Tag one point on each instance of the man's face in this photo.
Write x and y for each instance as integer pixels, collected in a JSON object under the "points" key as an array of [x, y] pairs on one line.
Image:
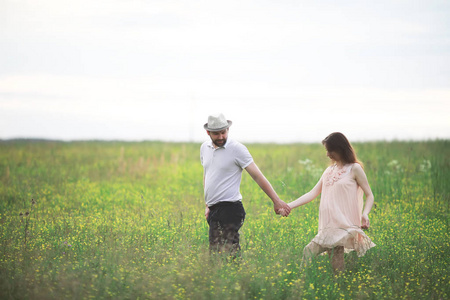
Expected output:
{"points": [[219, 138]]}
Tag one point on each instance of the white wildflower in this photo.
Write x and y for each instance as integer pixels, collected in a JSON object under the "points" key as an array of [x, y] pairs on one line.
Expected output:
{"points": [[425, 166]]}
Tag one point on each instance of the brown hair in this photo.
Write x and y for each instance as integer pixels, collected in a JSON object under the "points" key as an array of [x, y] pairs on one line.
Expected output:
{"points": [[337, 142]]}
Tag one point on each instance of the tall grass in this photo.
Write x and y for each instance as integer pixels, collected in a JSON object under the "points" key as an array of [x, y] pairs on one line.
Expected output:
{"points": [[114, 220]]}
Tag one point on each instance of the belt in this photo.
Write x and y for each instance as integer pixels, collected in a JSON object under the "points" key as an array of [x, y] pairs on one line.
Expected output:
{"points": [[225, 203]]}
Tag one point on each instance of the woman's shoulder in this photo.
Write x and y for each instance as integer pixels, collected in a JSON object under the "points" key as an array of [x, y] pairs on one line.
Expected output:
{"points": [[357, 168], [329, 168], [327, 171], [356, 165]]}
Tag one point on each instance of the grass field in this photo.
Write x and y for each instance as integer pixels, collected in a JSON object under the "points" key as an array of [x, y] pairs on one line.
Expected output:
{"points": [[113, 220]]}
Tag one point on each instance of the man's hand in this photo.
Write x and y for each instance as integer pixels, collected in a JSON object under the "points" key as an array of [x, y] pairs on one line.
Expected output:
{"points": [[281, 208], [207, 212]]}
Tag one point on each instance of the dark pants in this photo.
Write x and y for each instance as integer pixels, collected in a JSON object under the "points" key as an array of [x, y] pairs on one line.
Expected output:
{"points": [[225, 219]]}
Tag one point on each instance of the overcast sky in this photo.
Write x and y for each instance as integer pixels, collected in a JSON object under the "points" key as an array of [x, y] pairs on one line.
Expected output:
{"points": [[282, 71]]}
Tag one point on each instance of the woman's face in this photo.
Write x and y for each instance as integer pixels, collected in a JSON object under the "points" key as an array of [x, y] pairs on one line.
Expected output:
{"points": [[333, 155]]}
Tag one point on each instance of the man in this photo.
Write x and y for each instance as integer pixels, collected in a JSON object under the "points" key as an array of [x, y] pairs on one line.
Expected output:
{"points": [[223, 160]]}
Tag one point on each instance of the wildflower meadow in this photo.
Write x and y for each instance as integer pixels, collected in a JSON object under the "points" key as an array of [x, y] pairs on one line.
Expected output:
{"points": [[125, 220]]}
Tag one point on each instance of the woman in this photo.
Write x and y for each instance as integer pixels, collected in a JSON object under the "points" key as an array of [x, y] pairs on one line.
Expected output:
{"points": [[341, 215]]}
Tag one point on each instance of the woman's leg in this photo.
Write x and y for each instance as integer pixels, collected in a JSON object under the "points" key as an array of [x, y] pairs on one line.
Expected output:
{"points": [[311, 250], [337, 259]]}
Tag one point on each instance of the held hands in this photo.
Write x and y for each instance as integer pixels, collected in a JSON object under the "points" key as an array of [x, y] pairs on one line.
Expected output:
{"points": [[283, 212], [281, 208], [365, 223]]}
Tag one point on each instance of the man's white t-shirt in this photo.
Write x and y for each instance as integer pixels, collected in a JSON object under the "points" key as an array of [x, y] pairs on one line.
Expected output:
{"points": [[223, 170]]}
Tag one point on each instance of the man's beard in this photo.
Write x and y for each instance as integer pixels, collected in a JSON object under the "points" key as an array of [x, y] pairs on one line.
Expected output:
{"points": [[220, 143]]}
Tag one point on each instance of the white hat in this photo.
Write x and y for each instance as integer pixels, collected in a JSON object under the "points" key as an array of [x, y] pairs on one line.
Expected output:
{"points": [[217, 123]]}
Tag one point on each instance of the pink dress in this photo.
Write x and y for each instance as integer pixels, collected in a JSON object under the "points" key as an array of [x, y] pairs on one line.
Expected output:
{"points": [[340, 211]]}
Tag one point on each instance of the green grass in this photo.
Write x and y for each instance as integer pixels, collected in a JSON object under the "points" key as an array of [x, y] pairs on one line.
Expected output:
{"points": [[117, 220]]}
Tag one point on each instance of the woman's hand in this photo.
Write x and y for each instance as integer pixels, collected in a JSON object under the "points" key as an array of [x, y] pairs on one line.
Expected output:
{"points": [[365, 223]]}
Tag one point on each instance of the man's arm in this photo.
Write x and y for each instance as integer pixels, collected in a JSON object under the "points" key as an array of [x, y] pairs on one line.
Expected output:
{"points": [[265, 185], [206, 208]]}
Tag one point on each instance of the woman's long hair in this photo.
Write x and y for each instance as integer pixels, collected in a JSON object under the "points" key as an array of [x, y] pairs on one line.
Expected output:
{"points": [[337, 142]]}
